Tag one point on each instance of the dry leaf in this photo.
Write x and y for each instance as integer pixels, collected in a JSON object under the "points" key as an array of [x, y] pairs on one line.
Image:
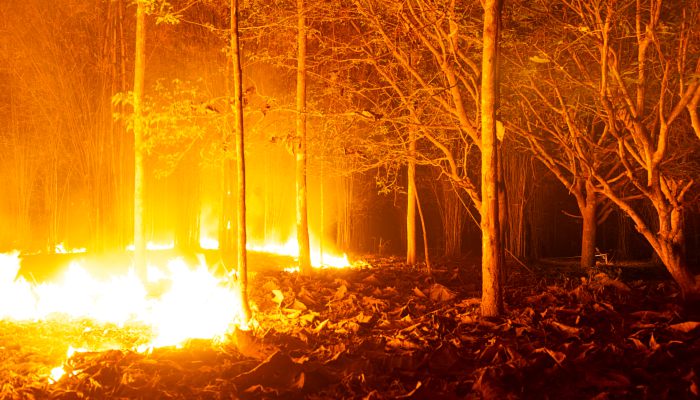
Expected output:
{"points": [[279, 297], [569, 330], [685, 327], [298, 305], [557, 356], [340, 293], [653, 345], [321, 325], [418, 292], [439, 292]]}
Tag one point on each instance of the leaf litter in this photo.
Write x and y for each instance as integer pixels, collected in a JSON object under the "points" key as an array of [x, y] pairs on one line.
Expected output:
{"points": [[386, 331]]}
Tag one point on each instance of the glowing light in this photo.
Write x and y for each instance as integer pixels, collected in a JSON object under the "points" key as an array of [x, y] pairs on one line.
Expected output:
{"points": [[59, 372], [208, 243], [289, 248], [192, 302], [154, 246], [61, 249]]}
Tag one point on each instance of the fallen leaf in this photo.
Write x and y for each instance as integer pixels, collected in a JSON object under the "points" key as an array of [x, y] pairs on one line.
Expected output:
{"points": [[321, 325], [279, 297], [569, 330], [557, 356], [340, 292], [439, 292], [418, 292], [653, 345], [298, 305], [685, 327], [539, 60], [412, 392], [362, 318], [637, 343]]}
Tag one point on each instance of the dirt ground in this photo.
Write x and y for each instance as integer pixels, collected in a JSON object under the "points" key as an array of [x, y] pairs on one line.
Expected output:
{"points": [[387, 331]]}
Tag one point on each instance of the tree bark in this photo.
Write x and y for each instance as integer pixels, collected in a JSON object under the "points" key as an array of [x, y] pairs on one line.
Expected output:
{"points": [[491, 262], [411, 199], [139, 128], [302, 212], [240, 160], [589, 208]]}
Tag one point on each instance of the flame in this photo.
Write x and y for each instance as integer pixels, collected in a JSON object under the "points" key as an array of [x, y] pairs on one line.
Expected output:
{"points": [[193, 302], [319, 259], [57, 373], [61, 249], [154, 246]]}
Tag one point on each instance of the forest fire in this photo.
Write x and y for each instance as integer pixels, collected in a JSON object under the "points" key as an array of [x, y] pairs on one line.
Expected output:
{"points": [[182, 182], [179, 303]]}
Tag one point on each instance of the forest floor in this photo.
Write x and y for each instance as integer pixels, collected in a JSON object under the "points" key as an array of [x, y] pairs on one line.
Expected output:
{"points": [[387, 331]]}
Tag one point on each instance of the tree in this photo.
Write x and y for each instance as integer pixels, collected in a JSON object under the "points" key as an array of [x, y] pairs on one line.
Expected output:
{"points": [[411, 200], [139, 130], [632, 68], [440, 95], [300, 153], [491, 254], [240, 159]]}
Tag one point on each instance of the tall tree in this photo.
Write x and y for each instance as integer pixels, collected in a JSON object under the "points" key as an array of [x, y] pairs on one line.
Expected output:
{"points": [[628, 69], [301, 191], [240, 159], [411, 199], [139, 130], [491, 255]]}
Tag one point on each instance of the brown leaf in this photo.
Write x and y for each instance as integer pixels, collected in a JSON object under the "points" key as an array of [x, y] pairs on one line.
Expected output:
{"points": [[418, 292], [412, 392], [637, 343], [341, 292], [298, 305], [362, 318], [653, 345], [279, 297], [298, 383], [685, 327], [371, 280], [544, 299], [321, 325], [604, 280], [569, 330], [439, 292], [557, 356]]}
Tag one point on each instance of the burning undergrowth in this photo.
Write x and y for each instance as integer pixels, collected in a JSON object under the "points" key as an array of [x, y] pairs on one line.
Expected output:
{"points": [[384, 332]]}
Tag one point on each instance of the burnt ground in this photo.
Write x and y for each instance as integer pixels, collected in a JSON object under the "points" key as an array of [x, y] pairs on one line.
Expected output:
{"points": [[387, 331]]}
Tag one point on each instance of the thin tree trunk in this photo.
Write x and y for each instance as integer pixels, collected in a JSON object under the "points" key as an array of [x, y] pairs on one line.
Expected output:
{"points": [[491, 263], [139, 128], [302, 212], [240, 160], [411, 198], [425, 234], [226, 222], [588, 210]]}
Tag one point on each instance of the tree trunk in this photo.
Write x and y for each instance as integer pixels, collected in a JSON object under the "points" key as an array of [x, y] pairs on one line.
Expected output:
{"points": [[672, 252], [411, 198], [240, 160], [428, 267], [139, 128], [302, 212], [588, 208], [491, 262]]}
